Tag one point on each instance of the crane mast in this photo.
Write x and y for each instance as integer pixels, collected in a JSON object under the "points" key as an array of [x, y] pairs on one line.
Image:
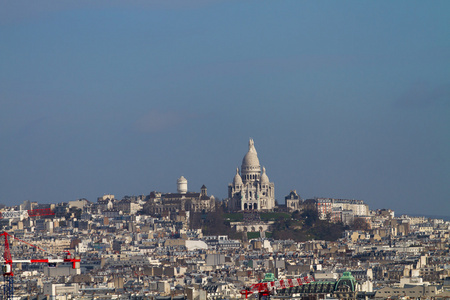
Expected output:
{"points": [[8, 275]]}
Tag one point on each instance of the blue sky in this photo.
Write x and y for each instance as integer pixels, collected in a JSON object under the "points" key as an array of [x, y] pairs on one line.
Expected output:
{"points": [[346, 99]]}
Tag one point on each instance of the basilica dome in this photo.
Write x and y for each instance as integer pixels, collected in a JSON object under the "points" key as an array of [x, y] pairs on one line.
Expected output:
{"points": [[250, 160]]}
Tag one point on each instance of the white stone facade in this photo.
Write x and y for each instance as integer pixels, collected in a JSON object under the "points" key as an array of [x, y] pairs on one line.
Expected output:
{"points": [[251, 189], [293, 201], [326, 205]]}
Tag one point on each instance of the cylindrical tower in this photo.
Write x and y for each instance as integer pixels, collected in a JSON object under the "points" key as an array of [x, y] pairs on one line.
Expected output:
{"points": [[182, 187]]}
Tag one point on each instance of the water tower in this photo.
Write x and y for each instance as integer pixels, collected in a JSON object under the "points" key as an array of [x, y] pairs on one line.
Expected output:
{"points": [[182, 185]]}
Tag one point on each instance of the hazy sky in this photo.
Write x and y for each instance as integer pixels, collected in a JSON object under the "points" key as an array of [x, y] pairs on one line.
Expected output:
{"points": [[345, 99]]}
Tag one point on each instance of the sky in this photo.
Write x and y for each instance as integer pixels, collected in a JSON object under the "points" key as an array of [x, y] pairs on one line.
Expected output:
{"points": [[344, 99]]}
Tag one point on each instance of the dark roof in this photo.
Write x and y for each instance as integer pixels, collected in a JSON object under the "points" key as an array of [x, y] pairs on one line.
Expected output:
{"points": [[178, 195], [310, 288], [211, 288]]}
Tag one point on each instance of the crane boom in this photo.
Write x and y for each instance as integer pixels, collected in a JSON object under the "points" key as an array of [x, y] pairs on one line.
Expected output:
{"points": [[8, 275], [12, 214], [267, 288]]}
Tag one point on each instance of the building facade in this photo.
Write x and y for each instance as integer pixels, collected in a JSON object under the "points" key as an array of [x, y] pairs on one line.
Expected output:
{"points": [[251, 188], [293, 201], [325, 207], [183, 200]]}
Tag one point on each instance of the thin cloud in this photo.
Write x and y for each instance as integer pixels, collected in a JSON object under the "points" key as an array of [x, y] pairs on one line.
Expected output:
{"points": [[269, 65], [422, 94], [157, 121], [19, 11]]}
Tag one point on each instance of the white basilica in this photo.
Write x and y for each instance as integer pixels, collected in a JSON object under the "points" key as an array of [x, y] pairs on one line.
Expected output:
{"points": [[251, 189]]}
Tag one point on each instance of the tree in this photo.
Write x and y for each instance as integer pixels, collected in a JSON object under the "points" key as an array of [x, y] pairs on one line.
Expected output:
{"points": [[212, 223], [311, 216], [360, 224], [296, 215], [306, 225], [195, 221]]}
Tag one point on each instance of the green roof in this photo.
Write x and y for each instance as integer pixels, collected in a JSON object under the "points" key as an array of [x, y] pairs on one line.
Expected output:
{"points": [[347, 279], [269, 277]]}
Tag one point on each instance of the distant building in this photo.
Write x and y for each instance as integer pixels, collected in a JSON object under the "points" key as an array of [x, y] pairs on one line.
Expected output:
{"points": [[324, 207], [61, 209], [127, 206], [183, 200], [341, 209], [106, 202], [293, 201], [60, 290], [27, 205], [251, 188], [80, 203]]}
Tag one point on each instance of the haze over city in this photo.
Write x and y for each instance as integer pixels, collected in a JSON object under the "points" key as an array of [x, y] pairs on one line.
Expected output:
{"points": [[343, 99]]}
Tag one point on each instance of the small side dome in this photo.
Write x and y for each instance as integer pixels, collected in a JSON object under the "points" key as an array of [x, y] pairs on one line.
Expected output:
{"points": [[264, 177], [237, 178]]}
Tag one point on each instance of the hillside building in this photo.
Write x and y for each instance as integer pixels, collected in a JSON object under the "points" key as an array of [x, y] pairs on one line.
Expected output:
{"points": [[251, 188]]}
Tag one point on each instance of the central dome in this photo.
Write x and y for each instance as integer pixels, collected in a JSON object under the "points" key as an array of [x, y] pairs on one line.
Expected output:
{"points": [[250, 160]]}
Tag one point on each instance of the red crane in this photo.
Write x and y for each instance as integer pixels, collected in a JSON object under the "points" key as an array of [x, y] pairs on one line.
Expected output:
{"points": [[8, 275], [265, 289], [10, 214]]}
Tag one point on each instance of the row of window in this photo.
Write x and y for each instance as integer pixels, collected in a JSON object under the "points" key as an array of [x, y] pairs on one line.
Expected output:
{"points": [[251, 206], [251, 177]]}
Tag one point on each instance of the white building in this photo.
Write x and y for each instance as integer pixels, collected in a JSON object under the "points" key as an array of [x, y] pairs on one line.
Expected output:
{"points": [[325, 206], [293, 201], [251, 188], [60, 290]]}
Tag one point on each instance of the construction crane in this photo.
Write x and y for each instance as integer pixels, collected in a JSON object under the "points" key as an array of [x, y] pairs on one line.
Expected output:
{"points": [[270, 285], [22, 214], [8, 275]]}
